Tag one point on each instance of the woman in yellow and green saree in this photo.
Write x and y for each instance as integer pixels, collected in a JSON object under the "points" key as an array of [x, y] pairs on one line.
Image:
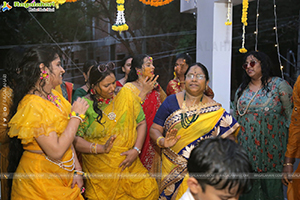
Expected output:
{"points": [[114, 170], [186, 118]]}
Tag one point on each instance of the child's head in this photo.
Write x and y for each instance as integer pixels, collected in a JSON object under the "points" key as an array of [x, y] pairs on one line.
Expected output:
{"points": [[218, 169]]}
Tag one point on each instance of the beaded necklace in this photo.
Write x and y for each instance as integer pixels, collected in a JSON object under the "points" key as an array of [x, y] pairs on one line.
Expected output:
{"points": [[185, 121], [55, 100]]}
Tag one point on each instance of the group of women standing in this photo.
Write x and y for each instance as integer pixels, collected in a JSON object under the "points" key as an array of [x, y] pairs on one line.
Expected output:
{"points": [[124, 137]]}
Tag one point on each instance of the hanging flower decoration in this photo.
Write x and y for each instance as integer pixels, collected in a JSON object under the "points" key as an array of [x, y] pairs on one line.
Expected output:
{"points": [[244, 21], [120, 24], [228, 22], [156, 3]]}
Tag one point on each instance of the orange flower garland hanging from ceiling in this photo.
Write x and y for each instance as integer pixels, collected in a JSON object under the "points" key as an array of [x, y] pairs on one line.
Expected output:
{"points": [[156, 3]]}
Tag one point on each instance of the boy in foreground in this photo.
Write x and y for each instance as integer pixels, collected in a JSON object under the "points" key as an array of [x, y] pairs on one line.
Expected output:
{"points": [[219, 170]]}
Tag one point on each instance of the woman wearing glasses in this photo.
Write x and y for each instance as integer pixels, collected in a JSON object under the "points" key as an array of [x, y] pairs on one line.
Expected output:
{"points": [[113, 170], [176, 85], [263, 107], [181, 122]]}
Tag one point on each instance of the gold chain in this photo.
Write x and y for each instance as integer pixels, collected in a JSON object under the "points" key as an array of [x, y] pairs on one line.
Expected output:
{"points": [[238, 103]]}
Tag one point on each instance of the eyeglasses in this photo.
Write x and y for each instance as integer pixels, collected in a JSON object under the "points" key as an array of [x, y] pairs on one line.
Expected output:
{"points": [[251, 63], [198, 76], [103, 67]]}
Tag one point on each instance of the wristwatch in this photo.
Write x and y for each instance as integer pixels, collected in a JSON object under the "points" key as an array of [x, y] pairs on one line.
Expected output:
{"points": [[137, 149]]}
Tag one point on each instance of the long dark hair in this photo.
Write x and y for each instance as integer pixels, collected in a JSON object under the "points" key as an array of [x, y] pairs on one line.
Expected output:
{"points": [[97, 74], [266, 69], [137, 62], [29, 75]]}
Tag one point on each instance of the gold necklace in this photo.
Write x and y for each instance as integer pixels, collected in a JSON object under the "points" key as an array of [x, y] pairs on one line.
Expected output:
{"points": [[247, 107]]}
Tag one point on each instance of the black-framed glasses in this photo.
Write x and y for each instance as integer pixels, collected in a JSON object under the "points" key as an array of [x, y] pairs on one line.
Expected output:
{"points": [[251, 63], [103, 67], [198, 76]]}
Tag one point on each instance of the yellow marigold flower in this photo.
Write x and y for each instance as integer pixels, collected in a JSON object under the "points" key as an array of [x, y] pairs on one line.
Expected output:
{"points": [[228, 23], [120, 8], [120, 1], [243, 50]]}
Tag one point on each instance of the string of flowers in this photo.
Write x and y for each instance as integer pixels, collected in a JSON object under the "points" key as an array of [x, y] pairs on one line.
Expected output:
{"points": [[228, 22], [156, 3], [120, 24], [244, 21]]}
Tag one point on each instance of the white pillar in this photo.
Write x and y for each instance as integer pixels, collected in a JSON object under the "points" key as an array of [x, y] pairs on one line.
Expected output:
{"points": [[214, 41]]}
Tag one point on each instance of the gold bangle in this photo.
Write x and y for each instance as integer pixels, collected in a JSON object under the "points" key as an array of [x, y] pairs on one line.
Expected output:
{"points": [[91, 145], [94, 148], [287, 164], [157, 141]]}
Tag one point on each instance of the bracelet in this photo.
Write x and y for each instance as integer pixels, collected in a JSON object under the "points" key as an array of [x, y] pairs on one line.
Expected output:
{"points": [[94, 148], [91, 147], [287, 164], [157, 141], [81, 173], [138, 150], [142, 102], [76, 115]]}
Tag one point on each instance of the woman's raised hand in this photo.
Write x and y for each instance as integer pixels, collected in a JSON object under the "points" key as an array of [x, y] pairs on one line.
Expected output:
{"points": [[171, 138], [80, 106], [149, 83]]}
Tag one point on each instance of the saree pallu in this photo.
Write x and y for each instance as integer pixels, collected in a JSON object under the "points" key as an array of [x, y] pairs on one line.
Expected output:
{"points": [[150, 153], [213, 121], [106, 180]]}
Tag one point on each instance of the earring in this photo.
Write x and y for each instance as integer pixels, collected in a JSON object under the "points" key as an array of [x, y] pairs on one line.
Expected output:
{"points": [[174, 74], [138, 72], [93, 92], [44, 75]]}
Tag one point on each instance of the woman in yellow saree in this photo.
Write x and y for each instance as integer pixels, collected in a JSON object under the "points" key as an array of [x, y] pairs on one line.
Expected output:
{"points": [[187, 118], [119, 120], [42, 128]]}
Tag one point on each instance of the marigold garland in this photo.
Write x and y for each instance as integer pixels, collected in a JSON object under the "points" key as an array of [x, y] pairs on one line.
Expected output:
{"points": [[156, 3], [120, 24], [244, 21], [228, 22]]}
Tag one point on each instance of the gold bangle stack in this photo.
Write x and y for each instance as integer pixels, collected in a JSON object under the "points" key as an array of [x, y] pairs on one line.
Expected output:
{"points": [[93, 148], [157, 141], [287, 164]]}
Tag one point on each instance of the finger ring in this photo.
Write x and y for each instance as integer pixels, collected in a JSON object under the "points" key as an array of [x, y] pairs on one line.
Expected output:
{"points": [[82, 190], [155, 84]]}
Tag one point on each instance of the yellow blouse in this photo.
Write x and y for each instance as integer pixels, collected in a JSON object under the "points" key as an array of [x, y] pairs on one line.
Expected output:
{"points": [[37, 116]]}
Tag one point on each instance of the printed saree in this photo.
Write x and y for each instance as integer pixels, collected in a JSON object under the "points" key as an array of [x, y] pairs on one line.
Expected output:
{"points": [[106, 180], [213, 121]]}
